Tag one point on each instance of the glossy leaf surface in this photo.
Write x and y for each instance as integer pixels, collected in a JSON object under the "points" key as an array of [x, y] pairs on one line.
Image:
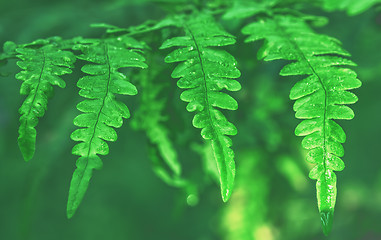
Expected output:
{"points": [[41, 70], [320, 97], [204, 71], [101, 112]]}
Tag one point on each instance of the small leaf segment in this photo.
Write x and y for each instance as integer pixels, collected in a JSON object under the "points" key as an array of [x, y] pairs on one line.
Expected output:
{"points": [[9, 49], [42, 67], [320, 97], [352, 7], [101, 111], [204, 71]]}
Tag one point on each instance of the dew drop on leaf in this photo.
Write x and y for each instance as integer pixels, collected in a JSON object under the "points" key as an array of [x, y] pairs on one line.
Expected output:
{"points": [[192, 200]]}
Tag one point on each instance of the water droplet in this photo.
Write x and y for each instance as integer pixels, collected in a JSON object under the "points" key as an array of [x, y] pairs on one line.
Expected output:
{"points": [[192, 200]]}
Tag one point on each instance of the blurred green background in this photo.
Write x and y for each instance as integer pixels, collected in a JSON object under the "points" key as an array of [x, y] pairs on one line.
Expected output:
{"points": [[273, 198]]}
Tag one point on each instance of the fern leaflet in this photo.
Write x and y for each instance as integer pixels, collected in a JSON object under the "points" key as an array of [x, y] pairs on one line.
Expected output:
{"points": [[320, 97], [204, 72], [101, 111], [41, 69], [150, 118]]}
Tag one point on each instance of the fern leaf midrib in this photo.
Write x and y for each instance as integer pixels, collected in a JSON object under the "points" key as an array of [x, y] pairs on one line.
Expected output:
{"points": [[325, 110], [301, 53], [207, 104], [99, 113], [38, 84], [104, 98]]}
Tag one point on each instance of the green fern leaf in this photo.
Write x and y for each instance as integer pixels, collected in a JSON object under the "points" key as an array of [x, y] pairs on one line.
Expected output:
{"points": [[101, 111], [204, 72], [150, 117], [41, 69], [320, 97]]}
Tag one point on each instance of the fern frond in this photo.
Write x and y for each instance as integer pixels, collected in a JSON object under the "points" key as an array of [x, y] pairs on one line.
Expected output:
{"points": [[101, 111], [41, 70], [204, 72], [151, 119], [159, 163], [320, 97]]}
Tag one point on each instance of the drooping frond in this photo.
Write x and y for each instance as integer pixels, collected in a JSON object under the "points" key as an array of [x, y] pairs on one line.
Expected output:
{"points": [[150, 117], [320, 97], [159, 167], [42, 67], [204, 71], [101, 111]]}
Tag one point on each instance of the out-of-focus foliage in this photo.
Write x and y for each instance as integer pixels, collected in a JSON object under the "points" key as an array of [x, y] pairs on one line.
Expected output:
{"points": [[272, 199], [353, 7]]}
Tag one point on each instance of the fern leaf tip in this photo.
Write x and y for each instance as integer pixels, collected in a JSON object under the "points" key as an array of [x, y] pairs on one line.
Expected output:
{"points": [[27, 144], [226, 192], [326, 218], [27, 155], [225, 195], [70, 212]]}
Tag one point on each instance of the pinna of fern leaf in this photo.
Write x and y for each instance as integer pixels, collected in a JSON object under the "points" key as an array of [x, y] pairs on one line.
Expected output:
{"points": [[41, 70], [101, 112], [204, 71], [321, 97]]}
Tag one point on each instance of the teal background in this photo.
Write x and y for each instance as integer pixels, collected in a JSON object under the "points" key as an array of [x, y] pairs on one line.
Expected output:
{"points": [[274, 199]]}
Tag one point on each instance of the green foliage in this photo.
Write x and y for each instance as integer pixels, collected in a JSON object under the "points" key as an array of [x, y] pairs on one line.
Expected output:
{"points": [[204, 72], [151, 119], [42, 67], [320, 97], [101, 111], [352, 7], [192, 34]]}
